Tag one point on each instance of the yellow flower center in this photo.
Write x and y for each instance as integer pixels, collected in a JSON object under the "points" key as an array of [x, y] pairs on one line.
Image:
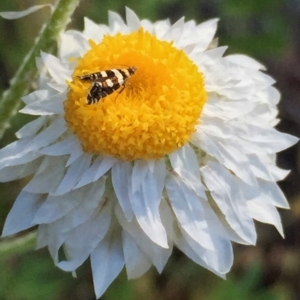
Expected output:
{"points": [[153, 115]]}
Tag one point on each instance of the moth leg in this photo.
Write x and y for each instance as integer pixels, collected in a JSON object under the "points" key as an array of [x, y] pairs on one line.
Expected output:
{"points": [[120, 90]]}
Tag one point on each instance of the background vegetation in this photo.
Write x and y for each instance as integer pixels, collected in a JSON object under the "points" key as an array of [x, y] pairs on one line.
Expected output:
{"points": [[267, 30]]}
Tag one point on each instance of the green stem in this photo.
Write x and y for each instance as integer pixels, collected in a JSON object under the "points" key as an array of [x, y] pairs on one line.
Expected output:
{"points": [[19, 245], [25, 75]]}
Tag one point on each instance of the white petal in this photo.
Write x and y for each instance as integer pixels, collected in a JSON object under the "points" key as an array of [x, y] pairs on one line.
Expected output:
{"points": [[266, 213], [185, 163], [145, 203], [51, 106], [93, 31], [51, 235], [16, 172], [147, 26], [41, 238], [55, 68], [245, 61], [188, 49], [105, 166], [259, 168], [227, 153], [274, 193], [20, 152], [39, 95], [61, 88], [161, 27], [9, 152], [225, 110], [266, 140], [21, 215], [132, 19], [84, 210], [232, 158], [140, 168], [136, 262], [107, 261], [31, 128], [25, 158], [115, 19], [69, 145], [233, 90], [270, 95], [188, 210], [207, 60], [218, 226], [151, 164], [121, 174], [277, 173], [183, 245], [188, 37], [54, 234], [158, 255], [175, 32], [75, 154], [64, 146], [227, 191], [207, 31], [99, 167], [82, 240], [48, 176], [11, 15], [168, 218], [55, 240], [72, 44], [73, 174], [220, 259], [264, 168], [55, 208], [89, 175], [49, 135]]}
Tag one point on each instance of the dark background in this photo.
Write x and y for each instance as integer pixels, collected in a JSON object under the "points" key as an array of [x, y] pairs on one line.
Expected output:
{"points": [[267, 30]]}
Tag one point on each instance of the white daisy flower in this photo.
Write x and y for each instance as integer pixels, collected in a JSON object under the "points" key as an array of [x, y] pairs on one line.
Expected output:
{"points": [[182, 154]]}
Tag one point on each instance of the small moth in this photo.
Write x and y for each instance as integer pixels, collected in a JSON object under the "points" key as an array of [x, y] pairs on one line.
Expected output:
{"points": [[106, 82]]}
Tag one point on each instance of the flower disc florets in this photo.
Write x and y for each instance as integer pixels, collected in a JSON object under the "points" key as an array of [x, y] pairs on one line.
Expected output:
{"points": [[158, 109]]}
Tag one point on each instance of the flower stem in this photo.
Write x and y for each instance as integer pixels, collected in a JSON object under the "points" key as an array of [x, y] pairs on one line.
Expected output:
{"points": [[19, 245], [26, 74]]}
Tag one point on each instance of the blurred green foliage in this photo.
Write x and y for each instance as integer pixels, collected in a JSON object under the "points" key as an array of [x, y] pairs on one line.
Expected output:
{"points": [[258, 28], [35, 278], [246, 288]]}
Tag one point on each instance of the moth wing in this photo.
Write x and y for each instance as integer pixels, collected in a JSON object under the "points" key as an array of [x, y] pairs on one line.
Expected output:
{"points": [[101, 79]]}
